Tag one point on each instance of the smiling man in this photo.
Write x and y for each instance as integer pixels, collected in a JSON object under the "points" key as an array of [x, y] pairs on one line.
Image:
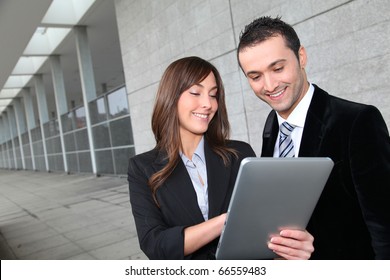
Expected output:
{"points": [[352, 217]]}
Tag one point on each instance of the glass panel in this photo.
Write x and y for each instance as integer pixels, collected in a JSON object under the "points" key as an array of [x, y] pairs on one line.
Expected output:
{"points": [[101, 136], [40, 163], [70, 144], [38, 148], [36, 134], [25, 139], [85, 162], [28, 162], [56, 162], [82, 140], [67, 122], [104, 162], [117, 103], [73, 164], [51, 128], [46, 129], [27, 151], [121, 133], [80, 117], [121, 158], [98, 111], [49, 146], [16, 142], [57, 145], [53, 145]]}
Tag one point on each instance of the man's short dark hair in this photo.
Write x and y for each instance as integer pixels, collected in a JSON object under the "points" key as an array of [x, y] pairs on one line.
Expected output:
{"points": [[265, 27]]}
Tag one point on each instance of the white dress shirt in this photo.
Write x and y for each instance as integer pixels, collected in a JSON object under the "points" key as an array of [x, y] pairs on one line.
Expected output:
{"points": [[297, 118], [198, 173]]}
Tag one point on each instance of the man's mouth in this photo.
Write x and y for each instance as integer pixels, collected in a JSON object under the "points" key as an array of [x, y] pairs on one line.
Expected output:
{"points": [[277, 94]]}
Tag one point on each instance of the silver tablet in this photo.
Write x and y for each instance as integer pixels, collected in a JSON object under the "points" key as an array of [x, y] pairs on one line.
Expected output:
{"points": [[270, 194]]}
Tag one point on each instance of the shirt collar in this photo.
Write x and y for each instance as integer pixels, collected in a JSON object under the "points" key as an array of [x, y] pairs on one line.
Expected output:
{"points": [[199, 153], [298, 115]]}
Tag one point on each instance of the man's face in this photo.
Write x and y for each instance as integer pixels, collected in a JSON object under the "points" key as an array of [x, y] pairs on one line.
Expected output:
{"points": [[275, 74]]}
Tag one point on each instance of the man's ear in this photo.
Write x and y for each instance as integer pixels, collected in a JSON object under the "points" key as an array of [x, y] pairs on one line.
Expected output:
{"points": [[302, 57]]}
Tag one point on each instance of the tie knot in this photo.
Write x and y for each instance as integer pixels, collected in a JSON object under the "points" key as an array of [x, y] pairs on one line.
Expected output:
{"points": [[286, 129]]}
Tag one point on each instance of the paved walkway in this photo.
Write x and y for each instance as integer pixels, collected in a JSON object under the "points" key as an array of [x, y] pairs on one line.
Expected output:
{"points": [[58, 216]]}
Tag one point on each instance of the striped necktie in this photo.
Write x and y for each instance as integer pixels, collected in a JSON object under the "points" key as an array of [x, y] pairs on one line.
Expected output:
{"points": [[286, 145]]}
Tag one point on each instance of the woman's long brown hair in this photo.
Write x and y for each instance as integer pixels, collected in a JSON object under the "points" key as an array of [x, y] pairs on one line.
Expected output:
{"points": [[177, 78]]}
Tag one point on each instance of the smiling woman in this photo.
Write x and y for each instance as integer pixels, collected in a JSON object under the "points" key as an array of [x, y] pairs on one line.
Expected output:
{"points": [[180, 190]]}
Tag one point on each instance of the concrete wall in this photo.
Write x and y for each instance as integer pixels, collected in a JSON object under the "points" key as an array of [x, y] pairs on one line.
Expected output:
{"points": [[347, 44]]}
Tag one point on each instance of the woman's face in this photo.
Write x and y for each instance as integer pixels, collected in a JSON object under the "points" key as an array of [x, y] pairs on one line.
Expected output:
{"points": [[197, 106]]}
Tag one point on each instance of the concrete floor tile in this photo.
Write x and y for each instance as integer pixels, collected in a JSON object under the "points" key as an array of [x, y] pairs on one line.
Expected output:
{"points": [[122, 250], [103, 239], [89, 231], [36, 246], [62, 252]]}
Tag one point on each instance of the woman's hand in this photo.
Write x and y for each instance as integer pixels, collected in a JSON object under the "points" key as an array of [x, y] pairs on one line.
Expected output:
{"points": [[292, 244]]}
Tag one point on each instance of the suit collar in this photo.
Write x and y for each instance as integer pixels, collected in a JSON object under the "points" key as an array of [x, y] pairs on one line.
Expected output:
{"points": [[218, 181], [315, 125]]}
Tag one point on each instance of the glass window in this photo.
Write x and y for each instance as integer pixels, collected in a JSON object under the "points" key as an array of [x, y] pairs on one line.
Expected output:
{"points": [[67, 122], [98, 110], [117, 103], [101, 136], [80, 117], [82, 140], [36, 134], [38, 148], [70, 145], [73, 164], [85, 162], [25, 139], [121, 158], [121, 133], [28, 162], [104, 162], [26, 151]]}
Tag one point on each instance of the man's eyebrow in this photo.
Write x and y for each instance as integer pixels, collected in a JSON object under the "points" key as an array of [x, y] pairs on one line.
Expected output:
{"points": [[269, 66]]}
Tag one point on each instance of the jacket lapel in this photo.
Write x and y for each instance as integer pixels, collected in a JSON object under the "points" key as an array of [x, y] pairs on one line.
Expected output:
{"points": [[315, 124], [218, 181], [178, 189], [270, 133]]}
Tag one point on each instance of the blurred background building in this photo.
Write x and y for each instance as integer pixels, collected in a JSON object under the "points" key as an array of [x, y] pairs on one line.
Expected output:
{"points": [[78, 77]]}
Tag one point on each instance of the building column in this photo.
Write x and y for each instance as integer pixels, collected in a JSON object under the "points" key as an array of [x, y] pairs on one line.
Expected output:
{"points": [[30, 117], [60, 98], [8, 125], [20, 127], [3, 141], [6, 138], [87, 82], [42, 112]]}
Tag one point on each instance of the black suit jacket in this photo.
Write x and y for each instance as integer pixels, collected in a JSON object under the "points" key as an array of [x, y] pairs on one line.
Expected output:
{"points": [[160, 230], [352, 217]]}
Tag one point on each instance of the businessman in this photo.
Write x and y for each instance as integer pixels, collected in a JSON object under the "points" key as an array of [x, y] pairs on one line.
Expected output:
{"points": [[352, 217]]}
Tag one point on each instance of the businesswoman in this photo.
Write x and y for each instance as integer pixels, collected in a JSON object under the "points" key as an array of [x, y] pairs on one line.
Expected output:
{"points": [[180, 190]]}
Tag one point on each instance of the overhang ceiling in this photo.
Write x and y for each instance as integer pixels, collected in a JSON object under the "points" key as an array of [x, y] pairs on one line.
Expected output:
{"points": [[31, 30]]}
